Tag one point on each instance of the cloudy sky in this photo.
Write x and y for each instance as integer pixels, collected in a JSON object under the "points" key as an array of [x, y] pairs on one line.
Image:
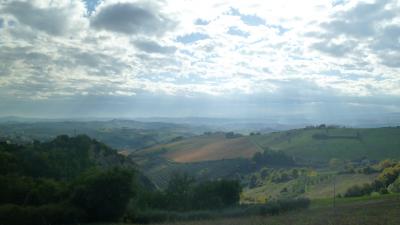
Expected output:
{"points": [[209, 58]]}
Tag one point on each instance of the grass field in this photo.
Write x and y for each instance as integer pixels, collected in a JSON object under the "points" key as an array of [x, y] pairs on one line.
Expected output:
{"points": [[380, 210]]}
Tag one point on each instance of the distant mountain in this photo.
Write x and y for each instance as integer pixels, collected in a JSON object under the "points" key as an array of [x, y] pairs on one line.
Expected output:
{"points": [[121, 134]]}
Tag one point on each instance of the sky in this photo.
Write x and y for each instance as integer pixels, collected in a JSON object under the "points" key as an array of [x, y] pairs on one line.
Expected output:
{"points": [[210, 58]]}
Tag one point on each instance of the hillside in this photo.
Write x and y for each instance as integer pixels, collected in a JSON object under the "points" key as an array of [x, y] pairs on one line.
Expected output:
{"points": [[323, 144], [204, 148], [307, 145]]}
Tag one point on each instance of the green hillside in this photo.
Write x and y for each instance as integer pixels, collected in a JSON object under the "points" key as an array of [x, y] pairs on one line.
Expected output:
{"points": [[323, 144]]}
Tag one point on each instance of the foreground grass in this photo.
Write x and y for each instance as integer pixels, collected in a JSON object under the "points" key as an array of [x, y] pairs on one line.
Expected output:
{"points": [[383, 210]]}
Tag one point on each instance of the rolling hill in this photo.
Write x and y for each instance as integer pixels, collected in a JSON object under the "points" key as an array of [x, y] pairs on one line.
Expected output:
{"points": [[307, 145]]}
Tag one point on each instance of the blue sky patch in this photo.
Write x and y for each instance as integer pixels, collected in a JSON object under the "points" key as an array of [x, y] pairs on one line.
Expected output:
{"points": [[236, 31], [190, 38], [91, 5], [251, 20]]}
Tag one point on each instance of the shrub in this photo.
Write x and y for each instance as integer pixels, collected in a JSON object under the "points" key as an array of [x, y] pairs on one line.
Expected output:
{"points": [[354, 191], [395, 186], [283, 205]]}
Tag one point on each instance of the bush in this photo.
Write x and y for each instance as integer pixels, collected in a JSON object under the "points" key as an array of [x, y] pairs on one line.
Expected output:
{"points": [[395, 186], [354, 191], [43, 215], [283, 205]]}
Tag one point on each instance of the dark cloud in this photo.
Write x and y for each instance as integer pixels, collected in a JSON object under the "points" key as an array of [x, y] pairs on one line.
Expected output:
{"points": [[1, 22], [153, 47], [51, 21], [387, 46], [363, 23], [390, 58], [94, 63], [388, 39], [360, 21], [337, 50], [132, 18]]}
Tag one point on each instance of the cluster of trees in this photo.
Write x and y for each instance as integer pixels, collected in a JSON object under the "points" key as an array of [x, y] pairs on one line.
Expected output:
{"points": [[77, 179], [58, 182], [232, 135], [273, 158], [183, 193], [274, 175], [387, 181]]}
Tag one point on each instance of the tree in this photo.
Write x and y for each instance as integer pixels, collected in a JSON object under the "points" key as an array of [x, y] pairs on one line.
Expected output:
{"points": [[104, 195], [179, 190], [216, 194]]}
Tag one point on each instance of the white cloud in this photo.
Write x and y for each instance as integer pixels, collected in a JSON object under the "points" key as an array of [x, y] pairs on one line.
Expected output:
{"points": [[54, 48]]}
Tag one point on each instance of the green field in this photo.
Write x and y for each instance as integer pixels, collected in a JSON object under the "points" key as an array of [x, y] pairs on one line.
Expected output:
{"points": [[380, 210]]}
